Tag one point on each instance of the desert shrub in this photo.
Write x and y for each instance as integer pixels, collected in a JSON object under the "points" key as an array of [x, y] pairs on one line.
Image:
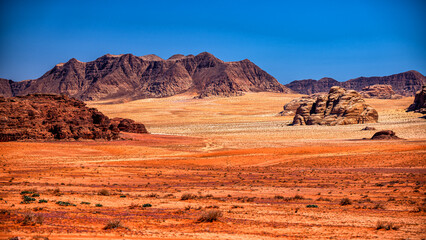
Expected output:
{"points": [[386, 225], [104, 192], [61, 203], [345, 201], [123, 196], [85, 203], [324, 199], [298, 197], [147, 205], [187, 196], [152, 195], [27, 192], [379, 206], [113, 224], [5, 212], [57, 192], [27, 199], [278, 197], [210, 216], [312, 206], [98, 205], [42, 201], [32, 219], [133, 206], [35, 195]]}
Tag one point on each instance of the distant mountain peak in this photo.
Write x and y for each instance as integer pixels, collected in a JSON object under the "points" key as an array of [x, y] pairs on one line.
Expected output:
{"points": [[131, 77]]}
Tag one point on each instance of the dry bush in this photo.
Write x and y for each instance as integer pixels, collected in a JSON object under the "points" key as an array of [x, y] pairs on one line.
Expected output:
{"points": [[187, 196], [113, 224], [104, 192], [345, 201], [386, 225], [210, 216], [32, 219]]}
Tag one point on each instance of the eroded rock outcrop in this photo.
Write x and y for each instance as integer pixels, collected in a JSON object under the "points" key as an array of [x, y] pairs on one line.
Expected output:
{"points": [[338, 107], [54, 117], [419, 104], [380, 91], [290, 108]]}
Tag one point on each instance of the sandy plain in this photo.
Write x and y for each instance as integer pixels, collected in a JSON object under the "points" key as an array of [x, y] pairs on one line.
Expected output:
{"points": [[232, 155]]}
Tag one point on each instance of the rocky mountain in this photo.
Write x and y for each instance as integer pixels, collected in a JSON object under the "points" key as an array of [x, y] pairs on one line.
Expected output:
{"points": [[405, 84], [133, 77], [338, 107], [54, 117], [380, 91]]}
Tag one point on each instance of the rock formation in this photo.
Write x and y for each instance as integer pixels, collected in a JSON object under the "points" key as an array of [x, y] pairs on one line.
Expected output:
{"points": [[128, 125], [381, 91], [384, 135], [132, 77], [419, 104], [405, 84], [50, 117], [338, 107], [290, 108]]}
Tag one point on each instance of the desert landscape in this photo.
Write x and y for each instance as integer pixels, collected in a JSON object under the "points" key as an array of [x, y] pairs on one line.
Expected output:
{"points": [[225, 168]]}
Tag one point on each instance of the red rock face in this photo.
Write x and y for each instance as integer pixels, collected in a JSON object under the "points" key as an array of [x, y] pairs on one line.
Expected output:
{"points": [[132, 77], [338, 107], [419, 104], [405, 84], [54, 117], [380, 91]]}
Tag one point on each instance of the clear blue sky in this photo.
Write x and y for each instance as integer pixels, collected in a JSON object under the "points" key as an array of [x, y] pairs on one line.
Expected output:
{"points": [[289, 39]]}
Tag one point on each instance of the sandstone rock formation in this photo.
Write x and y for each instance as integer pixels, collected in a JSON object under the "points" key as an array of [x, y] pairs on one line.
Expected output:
{"points": [[405, 84], [290, 108], [419, 104], [384, 135], [338, 107], [50, 117], [380, 91], [132, 77], [128, 125]]}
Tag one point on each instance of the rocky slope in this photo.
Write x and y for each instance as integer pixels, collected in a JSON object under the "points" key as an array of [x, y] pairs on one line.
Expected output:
{"points": [[380, 91], [133, 77], [405, 84], [338, 107], [419, 104], [50, 117]]}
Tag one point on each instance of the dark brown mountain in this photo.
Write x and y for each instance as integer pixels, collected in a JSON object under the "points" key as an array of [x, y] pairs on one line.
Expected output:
{"points": [[406, 83], [132, 77]]}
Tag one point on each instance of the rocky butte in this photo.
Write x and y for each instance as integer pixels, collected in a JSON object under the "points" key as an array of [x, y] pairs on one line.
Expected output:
{"points": [[56, 117], [405, 84], [338, 107], [132, 77]]}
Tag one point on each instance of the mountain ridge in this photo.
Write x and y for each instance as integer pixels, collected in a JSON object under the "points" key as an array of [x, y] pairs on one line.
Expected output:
{"points": [[129, 76]]}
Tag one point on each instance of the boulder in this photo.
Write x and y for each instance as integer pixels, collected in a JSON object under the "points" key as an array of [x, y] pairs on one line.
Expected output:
{"points": [[384, 135], [338, 107]]}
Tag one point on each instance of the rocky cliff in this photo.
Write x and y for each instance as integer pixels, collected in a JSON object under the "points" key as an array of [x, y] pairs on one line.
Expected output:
{"points": [[52, 117], [133, 77], [419, 104], [338, 107], [405, 84]]}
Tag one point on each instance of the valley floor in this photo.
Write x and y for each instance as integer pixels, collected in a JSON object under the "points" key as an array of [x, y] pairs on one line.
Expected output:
{"points": [[233, 156]]}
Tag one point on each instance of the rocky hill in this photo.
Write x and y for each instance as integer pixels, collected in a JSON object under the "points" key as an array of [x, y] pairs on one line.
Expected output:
{"points": [[405, 84], [52, 117], [133, 77], [338, 107]]}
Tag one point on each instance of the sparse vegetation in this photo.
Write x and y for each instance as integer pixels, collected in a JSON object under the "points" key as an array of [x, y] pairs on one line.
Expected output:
{"points": [[61, 203], [85, 203], [210, 216], [104, 192], [386, 225], [147, 205], [113, 224], [42, 201], [312, 206], [345, 201], [187, 196], [32, 219], [98, 205]]}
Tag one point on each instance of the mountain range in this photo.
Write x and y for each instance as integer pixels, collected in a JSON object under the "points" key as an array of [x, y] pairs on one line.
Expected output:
{"points": [[132, 77], [406, 83]]}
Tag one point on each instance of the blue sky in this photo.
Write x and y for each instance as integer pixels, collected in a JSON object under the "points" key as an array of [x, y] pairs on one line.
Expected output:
{"points": [[289, 39]]}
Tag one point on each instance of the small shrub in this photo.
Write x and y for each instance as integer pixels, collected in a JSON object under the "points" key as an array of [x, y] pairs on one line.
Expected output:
{"points": [[35, 195], [57, 192], [312, 206], [27, 199], [113, 224], [42, 201], [345, 201], [324, 199], [298, 197], [26, 192], [278, 197], [152, 195], [98, 205], [187, 196], [147, 205], [210, 216], [85, 203], [379, 206], [104, 192], [386, 225], [134, 205], [123, 196], [61, 203], [32, 219]]}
